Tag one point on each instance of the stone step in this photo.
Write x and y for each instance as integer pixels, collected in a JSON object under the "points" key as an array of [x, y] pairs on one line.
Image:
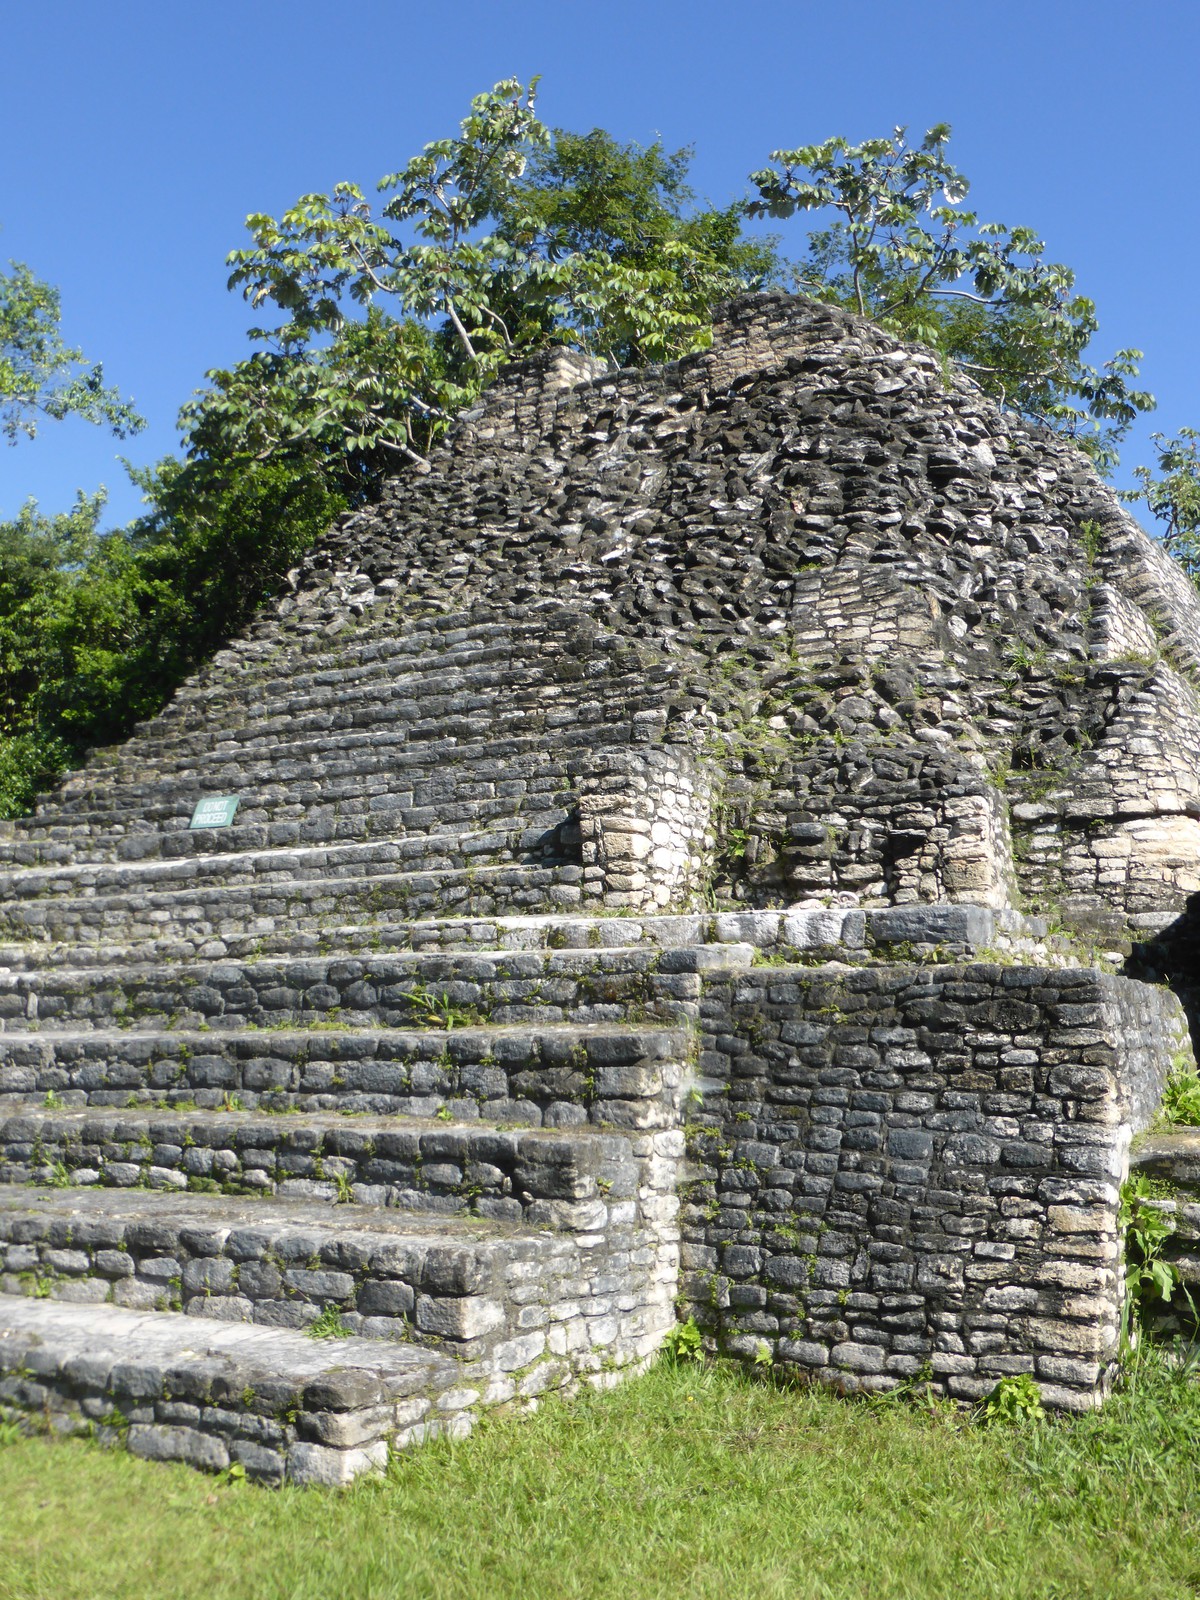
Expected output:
{"points": [[554, 1075], [445, 988], [547, 827], [294, 817], [236, 678], [443, 682], [843, 933], [214, 908], [567, 1178], [466, 934], [431, 707], [375, 797], [450, 933], [507, 701], [409, 656], [457, 1283], [802, 929], [448, 851], [1171, 1157], [326, 757], [531, 663], [278, 1404]]}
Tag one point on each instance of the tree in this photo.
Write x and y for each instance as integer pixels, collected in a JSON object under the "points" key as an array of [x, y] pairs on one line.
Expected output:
{"points": [[37, 557], [643, 267], [1174, 496], [493, 244], [39, 374], [902, 250], [45, 562], [329, 249], [97, 628], [217, 540]]}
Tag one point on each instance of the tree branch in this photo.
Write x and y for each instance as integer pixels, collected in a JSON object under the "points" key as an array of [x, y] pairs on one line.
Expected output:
{"points": [[463, 335]]}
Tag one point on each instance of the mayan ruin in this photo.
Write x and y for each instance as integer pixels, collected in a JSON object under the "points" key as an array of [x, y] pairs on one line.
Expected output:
{"points": [[718, 845]]}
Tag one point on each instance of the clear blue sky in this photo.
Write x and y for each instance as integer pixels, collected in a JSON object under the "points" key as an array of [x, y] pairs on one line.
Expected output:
{"points": [[138, 134]]}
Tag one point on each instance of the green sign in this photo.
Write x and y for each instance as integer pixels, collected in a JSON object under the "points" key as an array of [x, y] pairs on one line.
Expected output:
{"points": [[215, 811]]}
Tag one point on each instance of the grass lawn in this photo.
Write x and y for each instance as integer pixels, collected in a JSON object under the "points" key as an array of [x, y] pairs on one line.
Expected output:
{"points": [[685, 1482]]}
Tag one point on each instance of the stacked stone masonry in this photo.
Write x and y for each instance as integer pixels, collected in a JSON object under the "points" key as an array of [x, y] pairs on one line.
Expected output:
{"points": [[672, 836]]}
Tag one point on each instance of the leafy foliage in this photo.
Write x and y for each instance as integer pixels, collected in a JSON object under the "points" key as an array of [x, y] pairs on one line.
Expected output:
{"points": [[1181, 1099], [1146, 1226], [638, 270], [97, 628], [39, 374], [903, 250], [329, 250], [1174, 495], [347, 411], [39, 557], [684, 1343], [507, 239], [1015, 1399], [329, 1325]]}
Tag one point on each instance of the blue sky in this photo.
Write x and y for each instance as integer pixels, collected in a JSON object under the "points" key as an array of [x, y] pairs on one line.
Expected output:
{"points": [[138, 135]]}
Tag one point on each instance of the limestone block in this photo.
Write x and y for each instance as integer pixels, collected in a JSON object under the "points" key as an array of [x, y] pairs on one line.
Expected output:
{"points": [[316, 1463]]}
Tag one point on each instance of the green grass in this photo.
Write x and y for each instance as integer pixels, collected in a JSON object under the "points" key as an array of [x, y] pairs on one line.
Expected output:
{"points": [[688, 1482]]}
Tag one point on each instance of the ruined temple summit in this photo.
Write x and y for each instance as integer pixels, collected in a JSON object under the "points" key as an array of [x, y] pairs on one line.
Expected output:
{"points": [[691, 849]]}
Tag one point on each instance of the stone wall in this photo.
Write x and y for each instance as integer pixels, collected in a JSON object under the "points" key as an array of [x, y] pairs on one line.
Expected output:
{"points": [[1121, 830], [914, 1170], [1144, 572], [645, 819]]}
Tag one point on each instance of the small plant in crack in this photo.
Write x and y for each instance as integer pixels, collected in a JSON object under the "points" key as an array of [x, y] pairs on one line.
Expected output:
{"points": [[329, 1325]]}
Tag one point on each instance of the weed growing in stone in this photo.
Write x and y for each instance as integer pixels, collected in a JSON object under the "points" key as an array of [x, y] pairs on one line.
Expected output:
{"points": [[329, 1325], [1147, 1221], [1181, 1099], [432, 1010], [1091, 538], [684, 1343]]}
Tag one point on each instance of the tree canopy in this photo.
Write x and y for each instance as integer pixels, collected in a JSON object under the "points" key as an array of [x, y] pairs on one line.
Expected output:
{"points": [[1173, 495], [496, 243], [900, 247], [40, 376]]}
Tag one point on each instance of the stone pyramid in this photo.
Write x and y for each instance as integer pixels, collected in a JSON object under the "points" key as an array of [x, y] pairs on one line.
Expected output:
{"points": [[687, 850]]}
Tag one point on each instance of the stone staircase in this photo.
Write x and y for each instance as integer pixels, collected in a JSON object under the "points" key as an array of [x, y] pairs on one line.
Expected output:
{"points": [[353, 1065], [323, 1131], [457, 1163], [311, 1190], [454, 729], [287, 1182]]}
